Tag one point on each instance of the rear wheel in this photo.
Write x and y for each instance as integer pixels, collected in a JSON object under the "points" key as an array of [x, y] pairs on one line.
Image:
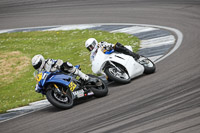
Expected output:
{"points": [[118, 76], [60, 97], [99, 91], [149, 66]]}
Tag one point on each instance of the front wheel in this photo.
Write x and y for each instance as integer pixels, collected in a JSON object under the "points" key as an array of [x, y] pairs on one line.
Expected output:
{"points": [[60, 97], [99, 91], [118, 76]]}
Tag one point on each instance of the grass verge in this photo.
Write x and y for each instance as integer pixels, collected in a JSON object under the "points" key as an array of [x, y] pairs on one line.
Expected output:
{"points": [[16, 50]]}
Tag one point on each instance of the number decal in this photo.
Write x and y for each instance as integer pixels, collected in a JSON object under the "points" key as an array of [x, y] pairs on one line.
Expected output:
{"points": [[72, 86], [39, 77]]}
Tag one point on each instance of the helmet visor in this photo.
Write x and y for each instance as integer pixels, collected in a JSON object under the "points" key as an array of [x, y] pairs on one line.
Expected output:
{"points": [[91, 46], [37, 66]]}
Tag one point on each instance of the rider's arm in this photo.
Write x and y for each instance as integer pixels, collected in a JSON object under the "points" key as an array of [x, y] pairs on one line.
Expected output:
{"points": [[56, 65], [105, 46], [52, 65], [94, 51]]}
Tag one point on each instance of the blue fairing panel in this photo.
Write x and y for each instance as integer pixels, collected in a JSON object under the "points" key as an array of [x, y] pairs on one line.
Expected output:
{"points": [[60, 79]]}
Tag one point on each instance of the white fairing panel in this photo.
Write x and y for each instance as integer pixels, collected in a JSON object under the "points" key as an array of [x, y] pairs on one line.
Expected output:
{"points": [[98, 61], [134, 68]]}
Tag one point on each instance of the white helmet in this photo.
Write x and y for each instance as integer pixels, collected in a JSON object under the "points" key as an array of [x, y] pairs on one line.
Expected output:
{"points": [[91, 43], [38, 62]]}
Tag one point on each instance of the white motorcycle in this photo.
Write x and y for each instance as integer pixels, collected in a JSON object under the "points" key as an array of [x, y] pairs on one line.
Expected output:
{"points": [[119, 67]]}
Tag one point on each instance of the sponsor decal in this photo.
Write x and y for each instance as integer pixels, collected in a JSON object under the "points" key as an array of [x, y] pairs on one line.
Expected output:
{"points": [[79, 93]]}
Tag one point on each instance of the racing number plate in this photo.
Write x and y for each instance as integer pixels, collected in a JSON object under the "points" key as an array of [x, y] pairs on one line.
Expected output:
{"points": [[38, 77], [72, 86]]}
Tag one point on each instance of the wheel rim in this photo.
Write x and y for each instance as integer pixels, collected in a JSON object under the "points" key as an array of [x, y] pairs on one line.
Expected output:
{"points": [[60, 98], [145, 62], [116, 73], [102, 87], [63, 97]]}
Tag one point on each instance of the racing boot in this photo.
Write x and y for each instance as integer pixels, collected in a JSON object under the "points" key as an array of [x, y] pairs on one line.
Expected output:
{"points": [[121, 49], [81, 75]]}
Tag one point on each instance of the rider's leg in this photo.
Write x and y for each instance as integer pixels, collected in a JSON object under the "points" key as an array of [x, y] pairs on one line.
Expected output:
{"points": [[120, 48], [82, 75], [68, 67]]}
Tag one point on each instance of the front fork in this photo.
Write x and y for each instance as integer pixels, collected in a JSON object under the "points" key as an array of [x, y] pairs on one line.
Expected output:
{"points": [[57, 90], [62, 92]]}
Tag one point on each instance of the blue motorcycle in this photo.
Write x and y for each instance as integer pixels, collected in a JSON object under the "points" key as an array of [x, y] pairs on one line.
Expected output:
{"points": [[61, 89]]}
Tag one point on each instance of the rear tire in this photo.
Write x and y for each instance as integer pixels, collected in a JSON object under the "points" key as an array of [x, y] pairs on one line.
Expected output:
{"points": [[150, 67], [116, 76], [65, 103], [100, 91]]}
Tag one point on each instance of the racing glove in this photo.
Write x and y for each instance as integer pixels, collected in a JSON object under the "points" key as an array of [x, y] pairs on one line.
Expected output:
{"points": [[107, 46]]}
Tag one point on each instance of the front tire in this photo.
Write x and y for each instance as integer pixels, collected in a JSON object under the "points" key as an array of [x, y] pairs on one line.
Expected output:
{"points": [[57, 100], [113, 74]]}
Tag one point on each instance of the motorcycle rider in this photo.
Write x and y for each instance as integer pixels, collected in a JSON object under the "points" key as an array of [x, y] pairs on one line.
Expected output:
{"points": [[51, 65], [92, 45]]}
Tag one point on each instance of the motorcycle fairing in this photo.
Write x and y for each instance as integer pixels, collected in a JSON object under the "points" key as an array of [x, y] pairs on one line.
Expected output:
{"points": [[60, 79], [133, 68], [99, 62]]}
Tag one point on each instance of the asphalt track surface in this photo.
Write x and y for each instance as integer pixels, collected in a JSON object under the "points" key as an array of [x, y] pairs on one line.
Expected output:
{"points": [[164, 102]]}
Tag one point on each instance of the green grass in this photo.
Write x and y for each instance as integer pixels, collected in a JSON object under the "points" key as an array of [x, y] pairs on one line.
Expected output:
{"points": [[17, 86]]}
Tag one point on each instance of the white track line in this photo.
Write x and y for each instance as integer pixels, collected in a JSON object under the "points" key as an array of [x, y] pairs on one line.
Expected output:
{"points": [[34, 105], [5, 31], [160, 41], [134, 30], [72, 27]]}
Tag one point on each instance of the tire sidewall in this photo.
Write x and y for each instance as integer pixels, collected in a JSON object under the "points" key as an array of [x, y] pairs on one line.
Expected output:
{"points": [[97, 92], [149, 70], [54, 102]]}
